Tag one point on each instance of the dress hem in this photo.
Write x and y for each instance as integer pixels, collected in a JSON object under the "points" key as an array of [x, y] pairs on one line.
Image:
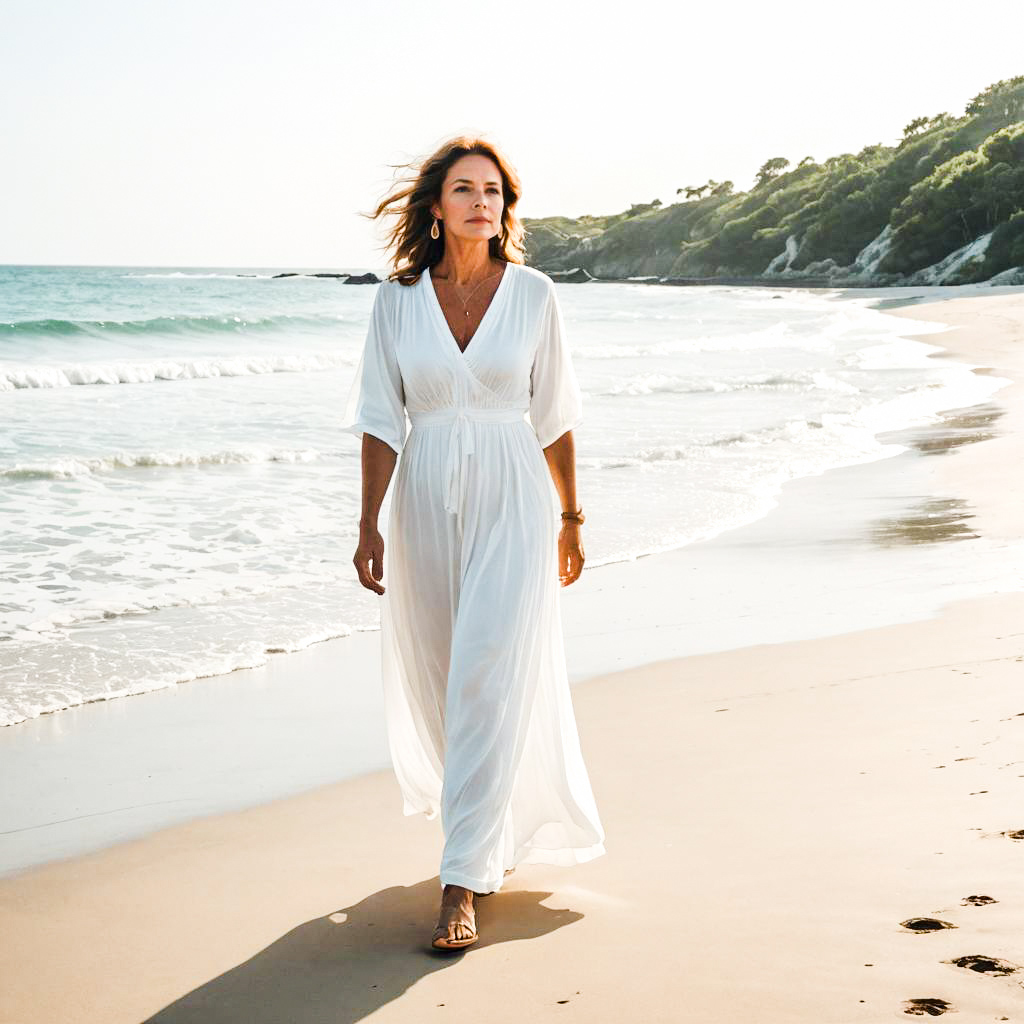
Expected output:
{"points": [[562, 857]]}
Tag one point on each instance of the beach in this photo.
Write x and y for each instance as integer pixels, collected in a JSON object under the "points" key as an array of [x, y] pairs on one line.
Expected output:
{"points": [[802, 733]]}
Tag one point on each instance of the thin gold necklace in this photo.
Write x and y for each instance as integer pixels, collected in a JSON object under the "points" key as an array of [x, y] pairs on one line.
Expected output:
{"points": [[465, 302]]}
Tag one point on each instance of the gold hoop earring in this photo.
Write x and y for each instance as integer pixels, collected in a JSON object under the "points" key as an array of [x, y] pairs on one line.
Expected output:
{"points": [[434, 233]]}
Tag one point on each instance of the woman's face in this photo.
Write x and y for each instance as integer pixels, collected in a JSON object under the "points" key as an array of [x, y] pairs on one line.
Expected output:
{"points": [[472, 200]]}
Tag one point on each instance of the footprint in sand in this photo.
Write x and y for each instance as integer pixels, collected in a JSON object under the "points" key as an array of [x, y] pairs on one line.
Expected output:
{"points": [[1017, 833], [930, 1007], [985, 964], [925, 924], [977, 901]]}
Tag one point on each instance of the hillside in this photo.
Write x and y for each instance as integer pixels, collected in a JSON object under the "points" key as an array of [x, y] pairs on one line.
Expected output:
{"points": [[945, 206]]}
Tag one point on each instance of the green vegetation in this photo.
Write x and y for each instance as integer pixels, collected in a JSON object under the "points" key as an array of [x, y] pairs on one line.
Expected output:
{"points": [[948, 182]]}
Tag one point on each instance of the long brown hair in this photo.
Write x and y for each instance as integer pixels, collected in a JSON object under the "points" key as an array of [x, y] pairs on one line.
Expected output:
{"points": [[411, 198]]}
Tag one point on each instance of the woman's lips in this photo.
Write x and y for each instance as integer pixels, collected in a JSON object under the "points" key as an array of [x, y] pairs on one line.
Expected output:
{"points": [[479, 220]]}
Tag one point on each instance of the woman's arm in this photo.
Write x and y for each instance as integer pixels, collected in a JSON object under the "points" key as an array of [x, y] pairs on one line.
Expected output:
{"points": [[561, 460], [378, 465]]}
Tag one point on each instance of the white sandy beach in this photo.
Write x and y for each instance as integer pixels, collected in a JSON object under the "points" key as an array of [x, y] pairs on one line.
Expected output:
{"points": [[776, 803]]}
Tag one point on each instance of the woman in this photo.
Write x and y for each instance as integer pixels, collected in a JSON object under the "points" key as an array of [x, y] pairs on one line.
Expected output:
{"points": [[467, 340]]}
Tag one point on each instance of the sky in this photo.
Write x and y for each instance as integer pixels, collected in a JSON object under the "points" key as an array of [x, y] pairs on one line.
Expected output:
{"points": [[252, 134]]}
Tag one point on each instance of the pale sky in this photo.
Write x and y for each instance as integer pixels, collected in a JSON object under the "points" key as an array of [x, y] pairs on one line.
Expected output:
{"points": [[250, 133]]}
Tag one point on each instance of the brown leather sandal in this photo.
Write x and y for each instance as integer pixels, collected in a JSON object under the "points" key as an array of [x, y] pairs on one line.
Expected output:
{"points": [[441, 941]]}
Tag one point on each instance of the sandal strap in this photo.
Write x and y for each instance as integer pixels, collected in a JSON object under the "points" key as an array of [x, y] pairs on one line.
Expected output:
{"points": [[449, 943]]}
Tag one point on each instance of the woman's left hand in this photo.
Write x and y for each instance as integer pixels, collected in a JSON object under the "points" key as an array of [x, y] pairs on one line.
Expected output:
{"points": [[570, 553]]}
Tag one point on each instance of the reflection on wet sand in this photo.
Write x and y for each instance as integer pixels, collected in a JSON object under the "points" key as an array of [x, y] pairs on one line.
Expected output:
{"points": [[967, 426], [957, 428], [932, 521]]}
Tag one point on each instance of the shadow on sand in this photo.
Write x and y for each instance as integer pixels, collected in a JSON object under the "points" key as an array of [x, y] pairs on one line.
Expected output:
{"points": [[343, 966]]}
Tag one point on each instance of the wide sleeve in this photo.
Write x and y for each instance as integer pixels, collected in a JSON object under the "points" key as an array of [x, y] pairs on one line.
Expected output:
{"points": [[376, 399], [556, 402]]}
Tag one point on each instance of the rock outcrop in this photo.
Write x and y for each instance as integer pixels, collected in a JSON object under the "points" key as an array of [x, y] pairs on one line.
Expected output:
{"points": [[367, 278]]}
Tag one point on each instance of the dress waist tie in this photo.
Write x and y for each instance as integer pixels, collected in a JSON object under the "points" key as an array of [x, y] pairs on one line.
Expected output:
{"points": [[460, 442]]}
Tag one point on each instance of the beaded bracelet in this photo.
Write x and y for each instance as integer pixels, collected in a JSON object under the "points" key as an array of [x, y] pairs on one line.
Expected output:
{"points": [[574, 517]]}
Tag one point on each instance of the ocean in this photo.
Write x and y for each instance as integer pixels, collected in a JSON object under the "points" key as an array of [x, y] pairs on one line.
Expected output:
{"points": [[178, 502]]}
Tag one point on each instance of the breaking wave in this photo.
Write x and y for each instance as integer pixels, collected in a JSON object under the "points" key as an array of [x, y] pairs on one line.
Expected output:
{"points": [[14, 377], [166, 325], [62, 469]]}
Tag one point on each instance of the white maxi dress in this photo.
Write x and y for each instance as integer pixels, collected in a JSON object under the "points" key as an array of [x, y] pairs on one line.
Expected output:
{"points": [[480, 722]]}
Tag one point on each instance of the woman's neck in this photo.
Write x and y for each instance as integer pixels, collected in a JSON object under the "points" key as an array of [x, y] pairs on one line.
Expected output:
{"points": [[465, 265]]}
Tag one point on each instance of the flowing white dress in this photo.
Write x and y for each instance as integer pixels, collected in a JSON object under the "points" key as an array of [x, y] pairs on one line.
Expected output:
{"points": [[479, 717]]}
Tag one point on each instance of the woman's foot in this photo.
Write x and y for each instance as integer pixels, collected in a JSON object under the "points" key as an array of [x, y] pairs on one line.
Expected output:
{"points": [[456, 923]]}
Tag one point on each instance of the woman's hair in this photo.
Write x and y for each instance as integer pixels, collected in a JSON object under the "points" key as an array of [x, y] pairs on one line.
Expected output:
{"points": [[411, 198]]}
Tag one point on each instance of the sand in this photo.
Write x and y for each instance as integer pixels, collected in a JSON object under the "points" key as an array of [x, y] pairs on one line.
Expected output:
{"points": [[774, 814]]}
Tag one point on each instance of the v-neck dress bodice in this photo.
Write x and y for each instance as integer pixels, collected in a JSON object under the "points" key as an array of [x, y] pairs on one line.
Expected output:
{"points": [[506, 273], [480, 722]]}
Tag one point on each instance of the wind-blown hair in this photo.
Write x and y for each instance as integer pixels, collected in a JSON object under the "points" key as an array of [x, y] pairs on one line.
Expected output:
{"points": [[411, 198]]}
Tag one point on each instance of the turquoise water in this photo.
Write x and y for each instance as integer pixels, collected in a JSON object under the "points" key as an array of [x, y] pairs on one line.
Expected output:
{"points": [[178, 501]]}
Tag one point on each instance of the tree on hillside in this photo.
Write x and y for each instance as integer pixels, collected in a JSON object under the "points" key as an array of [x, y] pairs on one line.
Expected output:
{"points": [[712, 187], [922, 124], [844, 162], [637, 208], [915, 126], [1003, 99], [770, 169], [1001, 148], [965, 196]]}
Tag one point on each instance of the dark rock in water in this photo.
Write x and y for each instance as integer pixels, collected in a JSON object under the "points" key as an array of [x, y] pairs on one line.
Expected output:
{"points": [[925, 924], [575, 276], [368, 278]]}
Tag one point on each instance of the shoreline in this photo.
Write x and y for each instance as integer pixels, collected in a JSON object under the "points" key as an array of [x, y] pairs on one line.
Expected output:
{"points": [[144, 685], [811, 776], [309, 718]]}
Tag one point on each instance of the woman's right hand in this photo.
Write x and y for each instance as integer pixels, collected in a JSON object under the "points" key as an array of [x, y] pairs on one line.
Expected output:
{"points": [[369, 558]]}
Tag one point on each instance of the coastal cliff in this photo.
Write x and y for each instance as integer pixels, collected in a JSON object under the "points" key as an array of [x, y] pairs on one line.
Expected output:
{"points": [[944, 206]]}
